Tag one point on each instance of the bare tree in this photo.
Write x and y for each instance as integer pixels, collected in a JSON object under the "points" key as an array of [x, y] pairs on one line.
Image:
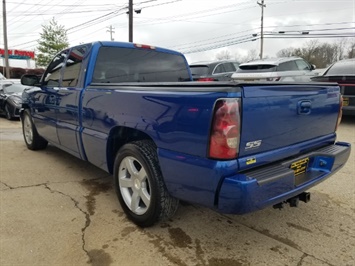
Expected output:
{"points": [[252, 55], [287, 52], [321, 54], [224, 54], [310, 49], [238, 57], [351, 50], [340, 47]]}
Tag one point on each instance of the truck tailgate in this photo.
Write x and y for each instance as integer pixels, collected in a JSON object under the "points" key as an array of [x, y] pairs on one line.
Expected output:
{"points": [[280, 115]]}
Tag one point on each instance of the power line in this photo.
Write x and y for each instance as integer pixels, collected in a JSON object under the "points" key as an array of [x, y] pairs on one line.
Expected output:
{"points": [[239, 41], [96, 20], [208, 41], [57, 5], [190, 15]]}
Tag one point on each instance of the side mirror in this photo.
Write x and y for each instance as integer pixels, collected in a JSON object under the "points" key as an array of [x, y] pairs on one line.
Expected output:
{"points": [[30, 80], [313, 67]]}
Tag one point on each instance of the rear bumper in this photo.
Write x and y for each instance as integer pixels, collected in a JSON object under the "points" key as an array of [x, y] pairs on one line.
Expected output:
{"points": [[276, 183]]}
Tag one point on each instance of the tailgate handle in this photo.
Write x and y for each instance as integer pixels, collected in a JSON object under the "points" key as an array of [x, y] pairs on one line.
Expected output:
{"points": [[304, 107]]}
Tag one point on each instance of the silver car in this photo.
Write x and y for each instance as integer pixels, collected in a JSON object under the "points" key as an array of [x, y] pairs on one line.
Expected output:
{"points": [[275, 69]]}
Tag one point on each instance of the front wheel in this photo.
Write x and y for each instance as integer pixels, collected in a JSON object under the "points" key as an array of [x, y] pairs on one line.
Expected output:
{"points": [[32, 139], [139, 184]]}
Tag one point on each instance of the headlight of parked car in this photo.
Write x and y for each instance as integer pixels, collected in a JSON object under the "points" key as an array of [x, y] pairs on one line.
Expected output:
{"points": [[15, 100]]}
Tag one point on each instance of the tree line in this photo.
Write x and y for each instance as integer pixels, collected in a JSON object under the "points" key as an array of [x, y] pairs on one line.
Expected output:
{"points": [[320, 54]]}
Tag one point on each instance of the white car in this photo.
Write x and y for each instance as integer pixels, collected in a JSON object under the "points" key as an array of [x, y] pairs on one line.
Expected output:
{"points": [[276, 69]]}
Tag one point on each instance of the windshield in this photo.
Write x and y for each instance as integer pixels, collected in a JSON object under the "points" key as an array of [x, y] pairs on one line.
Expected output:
{"points": [[256, 68], [342, 68], [14, 89], [199, 70], [115, 64]]}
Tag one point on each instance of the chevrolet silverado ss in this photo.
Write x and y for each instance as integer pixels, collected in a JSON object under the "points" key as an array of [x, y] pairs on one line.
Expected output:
{"points": [[133, 111]]}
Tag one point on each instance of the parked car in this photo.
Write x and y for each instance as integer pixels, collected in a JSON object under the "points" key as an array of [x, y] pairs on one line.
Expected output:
{"points": [[5, 82], [319, 71], [276, 69], [213, 71], [342, 72], [10, 100]]}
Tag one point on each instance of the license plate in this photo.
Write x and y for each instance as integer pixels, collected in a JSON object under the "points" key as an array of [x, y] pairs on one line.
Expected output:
{"points": [[300, 166], [345, 101]]}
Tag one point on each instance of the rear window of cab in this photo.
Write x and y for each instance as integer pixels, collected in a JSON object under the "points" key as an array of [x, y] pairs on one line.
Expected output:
{"points": [[116, 64]]}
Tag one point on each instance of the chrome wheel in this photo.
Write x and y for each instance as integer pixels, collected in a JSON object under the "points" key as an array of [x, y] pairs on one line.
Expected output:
{"points": [[27, 129], [134, 185]]}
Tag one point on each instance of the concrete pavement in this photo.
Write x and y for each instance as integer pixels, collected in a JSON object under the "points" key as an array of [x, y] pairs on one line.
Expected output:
{"points": [[58, 210]]}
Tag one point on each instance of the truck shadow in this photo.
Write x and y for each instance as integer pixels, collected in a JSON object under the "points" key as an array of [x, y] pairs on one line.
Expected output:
{"points": [[348, 120]]}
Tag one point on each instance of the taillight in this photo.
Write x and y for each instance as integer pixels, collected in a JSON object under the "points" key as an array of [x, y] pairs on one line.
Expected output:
{"points": [[206, 79], [225, 131], [340, 113]]}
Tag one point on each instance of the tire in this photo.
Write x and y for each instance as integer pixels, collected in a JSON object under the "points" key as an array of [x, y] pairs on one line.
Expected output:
{"points": [[7, 112], [139, 184], [32, 139]]}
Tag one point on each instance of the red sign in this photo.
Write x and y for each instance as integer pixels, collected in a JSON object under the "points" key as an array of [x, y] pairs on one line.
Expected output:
{"points": [[19, 54]]}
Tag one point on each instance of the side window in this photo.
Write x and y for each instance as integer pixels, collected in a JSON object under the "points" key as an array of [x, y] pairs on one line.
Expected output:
{"points": [[302, 65], [229, 67], [73, 66], [219, 69], [52, 74], [287, 66]]}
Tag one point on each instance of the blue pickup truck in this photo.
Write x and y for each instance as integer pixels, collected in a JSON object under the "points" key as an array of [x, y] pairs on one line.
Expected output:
{"points": [[133, 111]]}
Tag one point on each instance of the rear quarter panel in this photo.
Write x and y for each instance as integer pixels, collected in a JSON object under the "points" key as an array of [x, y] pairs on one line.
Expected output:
{"points": [[174, 120]]}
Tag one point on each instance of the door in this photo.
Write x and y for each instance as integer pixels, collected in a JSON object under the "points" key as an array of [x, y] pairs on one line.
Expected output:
{"points": [[224, 71], [68, 97], [306, 69], [44, 107], [288, 71]]}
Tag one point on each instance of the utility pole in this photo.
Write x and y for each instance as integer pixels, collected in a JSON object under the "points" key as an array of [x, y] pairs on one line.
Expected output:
{"points": [[262, 5], [130, 20], [111, 30], [5, 40]]}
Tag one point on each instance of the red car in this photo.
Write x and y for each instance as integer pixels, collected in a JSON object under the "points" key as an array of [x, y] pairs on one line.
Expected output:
{"points": [[342, 72]]}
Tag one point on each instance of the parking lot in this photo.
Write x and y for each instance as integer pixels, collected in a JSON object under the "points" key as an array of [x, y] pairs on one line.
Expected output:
{"points": [[58, 210]]}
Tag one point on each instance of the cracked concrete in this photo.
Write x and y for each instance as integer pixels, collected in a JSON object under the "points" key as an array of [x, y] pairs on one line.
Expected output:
{"points": [[86, 214], [58, 210], [30, 236]]}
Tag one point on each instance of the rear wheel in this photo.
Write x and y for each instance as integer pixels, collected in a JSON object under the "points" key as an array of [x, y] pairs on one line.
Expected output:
{"points": [[139, 184], [8, 112], [32, 139]]}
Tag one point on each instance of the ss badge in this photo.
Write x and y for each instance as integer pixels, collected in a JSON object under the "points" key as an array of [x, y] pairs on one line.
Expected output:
{"points": [[253, 144]]}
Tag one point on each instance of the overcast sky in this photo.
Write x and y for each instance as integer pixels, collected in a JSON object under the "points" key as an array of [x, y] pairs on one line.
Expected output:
{"points": [[198, 28]]}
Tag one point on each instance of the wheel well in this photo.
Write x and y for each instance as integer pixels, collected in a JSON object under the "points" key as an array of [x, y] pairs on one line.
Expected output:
{"points": [[117, 138]]}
